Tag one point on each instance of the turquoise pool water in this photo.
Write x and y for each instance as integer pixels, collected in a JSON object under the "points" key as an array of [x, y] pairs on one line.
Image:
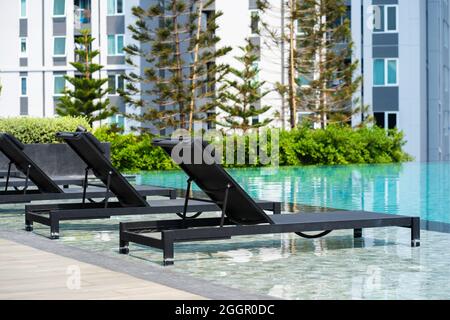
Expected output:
{"points": [[381, 265], [417, 189]]}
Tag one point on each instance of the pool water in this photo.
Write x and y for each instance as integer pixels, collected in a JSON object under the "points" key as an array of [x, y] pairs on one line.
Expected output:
{"points": [[381, 265], [413, 189]]}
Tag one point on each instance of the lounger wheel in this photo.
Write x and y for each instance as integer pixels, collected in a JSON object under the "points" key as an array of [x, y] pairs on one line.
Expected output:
{"points": [[198, 214], [314, 236], [29, 228]]}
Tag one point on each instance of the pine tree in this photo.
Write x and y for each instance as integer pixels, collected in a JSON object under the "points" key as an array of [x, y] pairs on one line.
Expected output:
{"points": [[324, 62], [88, 95], [178, 44], [287, 37], [241, 92], [321, 79]]}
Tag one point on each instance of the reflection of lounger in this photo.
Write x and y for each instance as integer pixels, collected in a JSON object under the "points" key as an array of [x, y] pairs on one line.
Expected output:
{"points": [[242, 216], [38, 186], [130, 202]]}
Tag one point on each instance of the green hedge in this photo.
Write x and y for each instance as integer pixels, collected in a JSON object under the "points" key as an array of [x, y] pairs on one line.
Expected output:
{"points": [[131, 152], [40, 130], [341, 145], [303, 146]]}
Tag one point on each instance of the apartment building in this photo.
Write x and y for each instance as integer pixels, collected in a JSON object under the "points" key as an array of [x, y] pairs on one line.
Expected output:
{"points": [[38, 42], [402, 46]]}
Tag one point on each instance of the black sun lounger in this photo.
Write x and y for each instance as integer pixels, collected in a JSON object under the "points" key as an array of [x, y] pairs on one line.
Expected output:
{"points": [[38, 186], [19, 181], [242, 216], [130, 202]]}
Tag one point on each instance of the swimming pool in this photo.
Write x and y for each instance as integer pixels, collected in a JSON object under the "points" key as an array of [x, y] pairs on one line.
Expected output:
{"points": [[416, 189], [381, 265]]}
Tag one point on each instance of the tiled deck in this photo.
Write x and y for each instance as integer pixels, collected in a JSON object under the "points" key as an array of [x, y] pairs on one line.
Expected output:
{"points": [[29, 273]]}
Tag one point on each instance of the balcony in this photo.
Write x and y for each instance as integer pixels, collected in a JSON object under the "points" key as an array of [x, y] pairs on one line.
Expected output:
{"points": [[82, 15]]}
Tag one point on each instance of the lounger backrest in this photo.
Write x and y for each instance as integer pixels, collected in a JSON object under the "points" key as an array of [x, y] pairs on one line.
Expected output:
{"points": [[213, 180], [91, 152], [13, 150]]}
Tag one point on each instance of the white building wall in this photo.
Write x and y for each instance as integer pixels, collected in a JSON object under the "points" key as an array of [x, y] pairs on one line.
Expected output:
{"points": [[235, 28], [412, 72], [272, 65], [40, 67]]}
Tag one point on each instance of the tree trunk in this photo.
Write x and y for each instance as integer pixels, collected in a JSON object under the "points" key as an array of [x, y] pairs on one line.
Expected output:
{"points": [[86, 58], [179, 70], [292, 83], [194, 66]]}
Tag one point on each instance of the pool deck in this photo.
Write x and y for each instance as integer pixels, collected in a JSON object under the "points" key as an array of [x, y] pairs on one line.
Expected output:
{"points": [[32, 267], [28, 273]]}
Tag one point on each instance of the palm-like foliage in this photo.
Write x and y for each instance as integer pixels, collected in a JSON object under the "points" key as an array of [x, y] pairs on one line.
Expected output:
{"points": [[241, 92], [178, 49], [87, 98]]}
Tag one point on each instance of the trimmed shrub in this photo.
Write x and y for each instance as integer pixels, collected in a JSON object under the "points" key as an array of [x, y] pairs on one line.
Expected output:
{"points": [[341, 145], [40, 130], [334, 145], [131, 152], [302, 146]]}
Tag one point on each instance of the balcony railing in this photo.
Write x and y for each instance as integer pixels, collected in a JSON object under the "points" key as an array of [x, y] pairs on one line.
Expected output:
{"points": [[82, 18]]}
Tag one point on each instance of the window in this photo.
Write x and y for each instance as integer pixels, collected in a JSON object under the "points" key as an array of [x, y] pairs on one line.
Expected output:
{"points": [[391, 120], [392, 72], [59, 8], [386, 120], [446, 78], [391, 18], [23, 86], [206, 20], [378, 72], [446, 34], [115, 7], [23, 8], [304, 80], [23, 47], [115, 44], [254, 22], [385, 72], [115, 83], [59, 46], [117, 120], [59, 83], [82, 11], [386, 18]]}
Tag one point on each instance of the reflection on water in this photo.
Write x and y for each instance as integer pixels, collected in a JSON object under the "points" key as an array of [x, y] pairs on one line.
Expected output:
{"points": [[381, 265], [417, 189]]}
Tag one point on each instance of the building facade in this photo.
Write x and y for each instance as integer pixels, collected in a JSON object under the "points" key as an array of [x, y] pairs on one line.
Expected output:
{"points": [[402, 46], [38, 45]]}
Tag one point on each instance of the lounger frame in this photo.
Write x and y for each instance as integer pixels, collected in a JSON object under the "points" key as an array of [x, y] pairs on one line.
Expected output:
{"points": [[129, 201], [38, 186], [236, 205], [52, 215], [87, 191], [175, 231]]}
